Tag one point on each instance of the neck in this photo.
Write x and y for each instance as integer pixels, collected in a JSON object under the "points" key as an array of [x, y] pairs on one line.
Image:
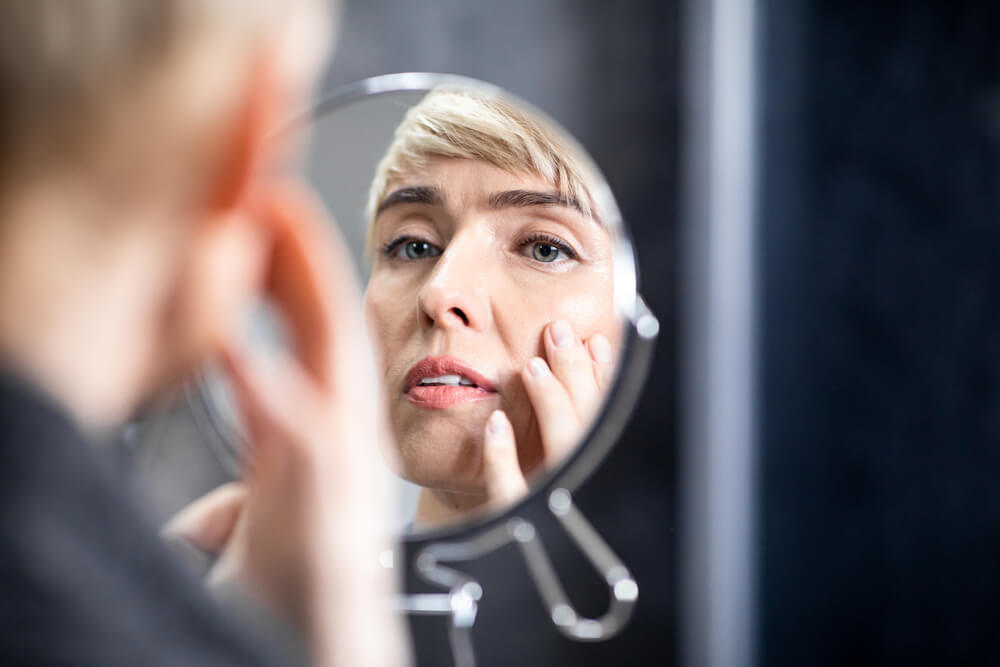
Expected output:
{"points": [[436, 506], [75, 312]]}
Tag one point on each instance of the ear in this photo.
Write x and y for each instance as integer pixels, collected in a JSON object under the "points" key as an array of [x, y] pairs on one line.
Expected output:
{"points": [[248, 149]]}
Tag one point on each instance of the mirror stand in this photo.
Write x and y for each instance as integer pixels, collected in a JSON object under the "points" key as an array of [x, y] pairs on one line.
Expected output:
{"points": [[461, 602]]}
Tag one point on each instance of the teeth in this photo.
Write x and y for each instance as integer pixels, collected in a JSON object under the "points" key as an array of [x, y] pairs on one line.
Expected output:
{"points": [[451, 380]]}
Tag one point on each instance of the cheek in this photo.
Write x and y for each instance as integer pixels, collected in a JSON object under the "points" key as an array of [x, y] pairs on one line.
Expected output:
{"points": [[591, 309], [372, 316], [375, 314], [588, 313], [390, 316], [587, 305]]}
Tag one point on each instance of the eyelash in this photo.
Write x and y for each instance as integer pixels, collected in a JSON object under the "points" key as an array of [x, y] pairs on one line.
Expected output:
{"points": [[392, 245], [548, 239], [538, 237]]}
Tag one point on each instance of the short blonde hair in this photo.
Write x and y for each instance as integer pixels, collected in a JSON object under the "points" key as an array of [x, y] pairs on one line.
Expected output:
{"points": [[76, 73], [454, 122]]}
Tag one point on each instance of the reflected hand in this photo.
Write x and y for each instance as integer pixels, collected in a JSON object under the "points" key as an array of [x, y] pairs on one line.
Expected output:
{"points": [[565, 394]]}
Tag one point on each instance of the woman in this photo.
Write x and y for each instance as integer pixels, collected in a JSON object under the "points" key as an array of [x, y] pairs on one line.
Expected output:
{"points": [[492, 292]]}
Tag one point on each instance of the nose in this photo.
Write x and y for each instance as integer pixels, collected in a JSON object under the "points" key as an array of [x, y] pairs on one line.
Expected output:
{"points": [[455, 295]]}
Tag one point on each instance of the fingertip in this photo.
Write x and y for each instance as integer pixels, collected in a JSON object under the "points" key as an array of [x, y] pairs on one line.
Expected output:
{"points": [[499, 448], [600, 349], [498, 424], [208, 521], [561, 333], [537, 368], [494, 423], [502, 472]]}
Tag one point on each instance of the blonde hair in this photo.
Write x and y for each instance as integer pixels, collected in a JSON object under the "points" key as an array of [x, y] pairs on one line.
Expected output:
{"points": [[462, 123], [74, 74]]}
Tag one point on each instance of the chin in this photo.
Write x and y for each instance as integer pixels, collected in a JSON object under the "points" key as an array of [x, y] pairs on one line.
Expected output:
{"points": [[442, 456]]}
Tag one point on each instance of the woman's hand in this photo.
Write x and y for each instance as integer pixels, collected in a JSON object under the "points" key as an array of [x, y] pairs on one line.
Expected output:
{"points": [[565, 394], [208, 522], [311, 519]]}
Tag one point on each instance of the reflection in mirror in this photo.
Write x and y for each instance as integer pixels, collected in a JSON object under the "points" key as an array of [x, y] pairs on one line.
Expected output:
{"points": [[489, 287]]}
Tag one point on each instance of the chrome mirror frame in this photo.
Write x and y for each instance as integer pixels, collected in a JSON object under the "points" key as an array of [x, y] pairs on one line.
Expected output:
{"points": [[437, 549]]}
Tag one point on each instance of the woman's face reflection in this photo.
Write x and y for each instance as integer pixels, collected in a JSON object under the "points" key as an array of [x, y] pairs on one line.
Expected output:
{"points": [[472, 262]]}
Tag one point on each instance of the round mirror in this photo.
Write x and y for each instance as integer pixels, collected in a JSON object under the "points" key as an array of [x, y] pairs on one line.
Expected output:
{"points": [[500, 290]]}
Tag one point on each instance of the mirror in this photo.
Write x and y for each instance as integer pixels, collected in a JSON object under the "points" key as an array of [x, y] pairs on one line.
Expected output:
{"points": [[497, 275]]}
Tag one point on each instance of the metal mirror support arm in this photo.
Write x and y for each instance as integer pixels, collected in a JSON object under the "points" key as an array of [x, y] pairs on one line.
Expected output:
{"points": [[461, 602], [622, 587]]}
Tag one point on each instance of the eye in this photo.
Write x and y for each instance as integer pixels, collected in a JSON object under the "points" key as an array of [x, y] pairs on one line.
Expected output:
{"points": [[547, 249], [416, 250], [408, 248], [544, 252]]}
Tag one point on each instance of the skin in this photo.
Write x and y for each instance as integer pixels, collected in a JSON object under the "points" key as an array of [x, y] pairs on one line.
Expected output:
{"points": [[479, 292]]}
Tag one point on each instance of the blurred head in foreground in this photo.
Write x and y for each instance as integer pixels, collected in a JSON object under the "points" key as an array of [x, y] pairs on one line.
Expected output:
{"points": [[136, 141]]}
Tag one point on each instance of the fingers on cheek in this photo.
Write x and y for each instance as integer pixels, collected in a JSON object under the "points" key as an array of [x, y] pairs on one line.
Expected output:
{"points": [[603, 357], [564, 350], [600, 349], [552, 404], [572, 364], [542, 386]]}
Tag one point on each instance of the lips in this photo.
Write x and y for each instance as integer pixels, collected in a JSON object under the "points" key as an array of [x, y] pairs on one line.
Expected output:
{"points": [[441, 382]]}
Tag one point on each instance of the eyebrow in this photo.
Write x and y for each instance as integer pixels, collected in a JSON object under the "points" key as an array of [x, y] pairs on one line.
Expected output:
{"points": [[521, 198], [432, 196], [418, 194]]}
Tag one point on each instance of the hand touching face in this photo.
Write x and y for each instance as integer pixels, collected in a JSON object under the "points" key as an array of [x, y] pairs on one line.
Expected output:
{"points": [[565, 393]]}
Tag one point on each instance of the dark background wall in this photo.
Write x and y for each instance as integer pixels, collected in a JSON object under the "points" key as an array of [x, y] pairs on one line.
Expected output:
{"points": [[880, 238], [608, 72]]}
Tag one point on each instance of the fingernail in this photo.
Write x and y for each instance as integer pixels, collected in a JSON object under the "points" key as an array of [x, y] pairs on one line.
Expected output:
{"points": [[495, 423], [600, 349], [538, 367], [562, 333]]}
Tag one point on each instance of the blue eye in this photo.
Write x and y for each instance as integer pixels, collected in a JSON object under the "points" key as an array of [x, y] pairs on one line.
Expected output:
{"points": [[547, 249], [545, 252], [410, 249]]}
